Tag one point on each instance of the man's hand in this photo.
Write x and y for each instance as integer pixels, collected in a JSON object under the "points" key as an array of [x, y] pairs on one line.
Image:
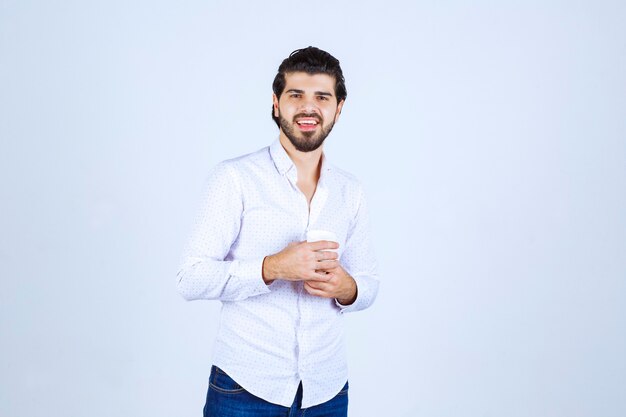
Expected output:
{"points": [[301, 261], [340, 285]]}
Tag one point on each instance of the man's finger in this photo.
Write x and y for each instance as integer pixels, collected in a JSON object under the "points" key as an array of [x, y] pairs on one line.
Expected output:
{"points": [[323, 244], [325, 265], [317, 285], [319, 276], [326, 255], [315, 291]]}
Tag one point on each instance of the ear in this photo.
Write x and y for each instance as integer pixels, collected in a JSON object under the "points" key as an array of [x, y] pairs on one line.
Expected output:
{"points": [[339, 107], [275, 102]]}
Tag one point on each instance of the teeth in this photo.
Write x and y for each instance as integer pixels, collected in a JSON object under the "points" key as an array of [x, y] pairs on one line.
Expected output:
{"points": [[307, 122]]}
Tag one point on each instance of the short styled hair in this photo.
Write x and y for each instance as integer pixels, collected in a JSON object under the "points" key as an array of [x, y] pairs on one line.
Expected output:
{"points": [[311, 60]]}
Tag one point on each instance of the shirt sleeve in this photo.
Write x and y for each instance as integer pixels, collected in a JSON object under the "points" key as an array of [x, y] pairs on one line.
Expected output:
{"points": [[359, 260], [205, 273]]}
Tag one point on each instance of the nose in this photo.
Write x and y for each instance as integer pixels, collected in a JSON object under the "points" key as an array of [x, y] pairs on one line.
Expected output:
{"points": [[308, 105]]}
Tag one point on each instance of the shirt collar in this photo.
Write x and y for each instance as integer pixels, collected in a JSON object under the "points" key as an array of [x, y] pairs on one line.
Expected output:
{"points": [[281, 159], [283, 162]]}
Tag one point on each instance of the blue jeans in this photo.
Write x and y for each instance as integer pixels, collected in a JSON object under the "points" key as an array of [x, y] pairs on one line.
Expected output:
{"points": [[225, 398]]}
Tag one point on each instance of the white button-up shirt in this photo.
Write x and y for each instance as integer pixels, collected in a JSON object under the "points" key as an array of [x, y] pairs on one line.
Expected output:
{"points": [[271, 337]]}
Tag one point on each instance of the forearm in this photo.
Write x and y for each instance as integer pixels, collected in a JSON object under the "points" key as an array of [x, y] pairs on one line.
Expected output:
{"points": [[365, 294], [348, 293], [269, 270]]}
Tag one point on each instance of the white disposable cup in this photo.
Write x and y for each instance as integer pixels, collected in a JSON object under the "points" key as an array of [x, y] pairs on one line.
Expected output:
{"points": [[317, 235]]}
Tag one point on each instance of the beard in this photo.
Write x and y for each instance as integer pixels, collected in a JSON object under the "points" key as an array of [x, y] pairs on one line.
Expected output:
{"points": [[305, 141]]}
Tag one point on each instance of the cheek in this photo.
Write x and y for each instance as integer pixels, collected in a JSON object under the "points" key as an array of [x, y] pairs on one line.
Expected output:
{"points": [[285, 111], [330, 116]]}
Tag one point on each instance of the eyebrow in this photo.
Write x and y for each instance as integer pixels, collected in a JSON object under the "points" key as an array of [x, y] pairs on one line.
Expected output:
{"points": [[317, 93]]}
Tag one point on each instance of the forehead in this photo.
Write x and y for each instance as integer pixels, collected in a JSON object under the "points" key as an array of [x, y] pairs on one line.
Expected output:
{"points": [[309, 82]]}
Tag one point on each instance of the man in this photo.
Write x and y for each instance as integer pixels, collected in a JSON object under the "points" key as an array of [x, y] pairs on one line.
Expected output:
{"points": [[280, 346]]}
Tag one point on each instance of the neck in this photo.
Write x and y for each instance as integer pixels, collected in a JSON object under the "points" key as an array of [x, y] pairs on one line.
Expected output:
{"points": [[308, 164]]}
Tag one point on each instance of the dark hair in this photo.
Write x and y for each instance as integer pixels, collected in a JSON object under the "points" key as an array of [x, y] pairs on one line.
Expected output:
{"points": [[311, 60]]}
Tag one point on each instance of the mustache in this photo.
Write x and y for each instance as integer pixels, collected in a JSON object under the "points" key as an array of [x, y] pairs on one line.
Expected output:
{"points": [[311, 115]]}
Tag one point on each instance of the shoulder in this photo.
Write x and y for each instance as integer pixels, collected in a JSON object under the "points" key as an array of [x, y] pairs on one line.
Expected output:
{"points": [[235, 168], [248, 163]]}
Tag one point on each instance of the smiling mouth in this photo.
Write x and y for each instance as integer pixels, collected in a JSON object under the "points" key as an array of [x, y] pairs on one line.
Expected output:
{"points": [[308, 122]]}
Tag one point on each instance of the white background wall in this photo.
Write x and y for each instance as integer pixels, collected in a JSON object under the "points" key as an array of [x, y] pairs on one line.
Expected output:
{"points": [[491, 138]]}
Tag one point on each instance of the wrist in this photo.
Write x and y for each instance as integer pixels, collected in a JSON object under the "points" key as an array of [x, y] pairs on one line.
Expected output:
{"points": [[351, 295], [267, 270]]}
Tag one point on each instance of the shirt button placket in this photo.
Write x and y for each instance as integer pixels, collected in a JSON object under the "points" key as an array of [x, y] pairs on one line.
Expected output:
{"points": [[303, 210]]}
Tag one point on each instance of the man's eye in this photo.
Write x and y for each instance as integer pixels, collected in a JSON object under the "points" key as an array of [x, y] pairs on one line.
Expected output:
{"points": [[324, 98], [295, 95]]}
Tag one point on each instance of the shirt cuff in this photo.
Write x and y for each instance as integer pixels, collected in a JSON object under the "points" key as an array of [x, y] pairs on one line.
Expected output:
{"points": [[366, 290], [250, 275], [341, 306]]}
